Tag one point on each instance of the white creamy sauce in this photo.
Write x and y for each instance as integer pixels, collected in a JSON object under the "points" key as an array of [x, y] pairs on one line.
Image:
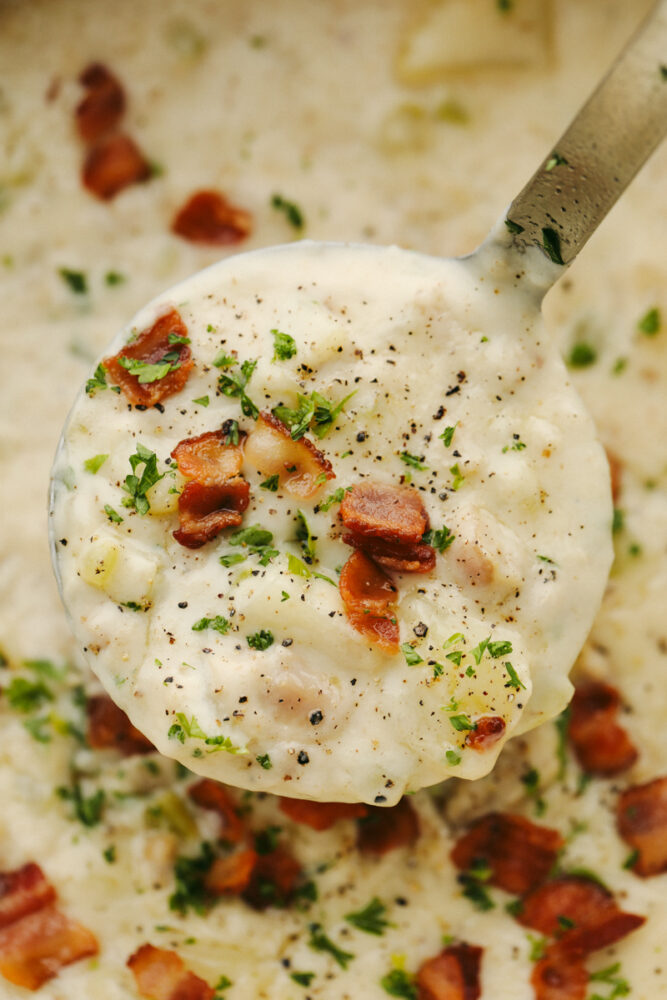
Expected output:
{"points": [[354, 113], [416, 346]]}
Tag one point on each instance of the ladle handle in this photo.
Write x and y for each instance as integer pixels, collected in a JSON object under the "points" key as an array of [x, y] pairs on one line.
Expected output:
{"points": [[595, 159]]}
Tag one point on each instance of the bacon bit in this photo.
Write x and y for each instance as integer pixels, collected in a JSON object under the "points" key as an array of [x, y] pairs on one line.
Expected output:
{"points": [[231, 875], [601, 746], [385, 829], [369, 599], [388, 523], [207, 217], [579, 911], [208, 459], [36, 947], [520, 854], [490, 729], [23, 891], [402, 558], [205, 510], [302, 467], [102, 108], [451, 975], [112, 165], [641, 816], [161, 975], [380, 510], [274, 880], [109, 726], [321, 815], [209, 794], [558, 976], [150, 347]]}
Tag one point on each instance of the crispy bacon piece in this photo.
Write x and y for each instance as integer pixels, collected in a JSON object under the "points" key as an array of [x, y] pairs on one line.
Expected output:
{"points": [[369, 599], [208, 459], [579, 911], [519, 853], [451, 975], [385, 829], [205, 510], [161, 975], [388, 522], [559, 976], [601, 746], [103, 106], [274, 880], [113, 164], [207, 217], [23, 891], [321, 815], [209, 794], [231, 875], [380, 510], [150, 347], [108, 726], [490, 729], [34, 948], [641, 816], [302, 467]]}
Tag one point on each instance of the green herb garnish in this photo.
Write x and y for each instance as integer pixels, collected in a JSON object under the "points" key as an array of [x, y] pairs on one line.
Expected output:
{"points": [[371, 919], [260, 640], [284, 346]]}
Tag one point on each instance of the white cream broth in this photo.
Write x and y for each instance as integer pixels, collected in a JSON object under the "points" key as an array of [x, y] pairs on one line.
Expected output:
{"points": [[364, 116], [418, 345]]}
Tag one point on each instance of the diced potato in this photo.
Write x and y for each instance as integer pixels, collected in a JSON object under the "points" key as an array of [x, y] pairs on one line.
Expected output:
{"points": [[126, 575], [161, 497], [462, 35]]}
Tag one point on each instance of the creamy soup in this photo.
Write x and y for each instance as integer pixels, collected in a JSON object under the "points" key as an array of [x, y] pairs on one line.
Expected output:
{"points": [[383, 123]]}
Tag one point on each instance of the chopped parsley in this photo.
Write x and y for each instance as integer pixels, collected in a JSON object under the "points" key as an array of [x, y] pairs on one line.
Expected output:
{"points": [[75, 280], [87, 809], [146, 372], [412, 657], [447, 435], [190, 875], [650, 322], [185, 728], [292, 212], [582, 355], [319, 941], [25, 695], [452, 757], [271, 484], [479, 650], [335, 497], [462, 723], [609, 976], [202, 401], [138, 486], [472, 883], [264, 761], [561, 723], [218, 624], [516, 445], [234, 383], [284, 346], [112, 278], [314, 413], [231, 431], [555, 160], [371, 919], [257, 540], [302, 978], [305, 537], [458, 477], [95, 463], [97, 381], [502, 648], [399, 983], [260, 640], [412, 460], [440, 538], [514, 680], [231, 559], [531, 782], [551, 245]]}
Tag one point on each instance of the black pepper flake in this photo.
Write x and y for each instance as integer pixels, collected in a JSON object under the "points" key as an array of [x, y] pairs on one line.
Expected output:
{"points": [[140, 406], [159, 407], [401, 901], [287, 642], [439, 414], [243, 699], [182, 604], [361, 436], [316, 718], [420, 629], [353, 681], [380, 798], [453, 390], [303, 757], [63, 541]]}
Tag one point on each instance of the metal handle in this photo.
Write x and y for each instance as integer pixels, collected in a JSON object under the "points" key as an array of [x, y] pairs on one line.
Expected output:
{"points": [[595, 159]]}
